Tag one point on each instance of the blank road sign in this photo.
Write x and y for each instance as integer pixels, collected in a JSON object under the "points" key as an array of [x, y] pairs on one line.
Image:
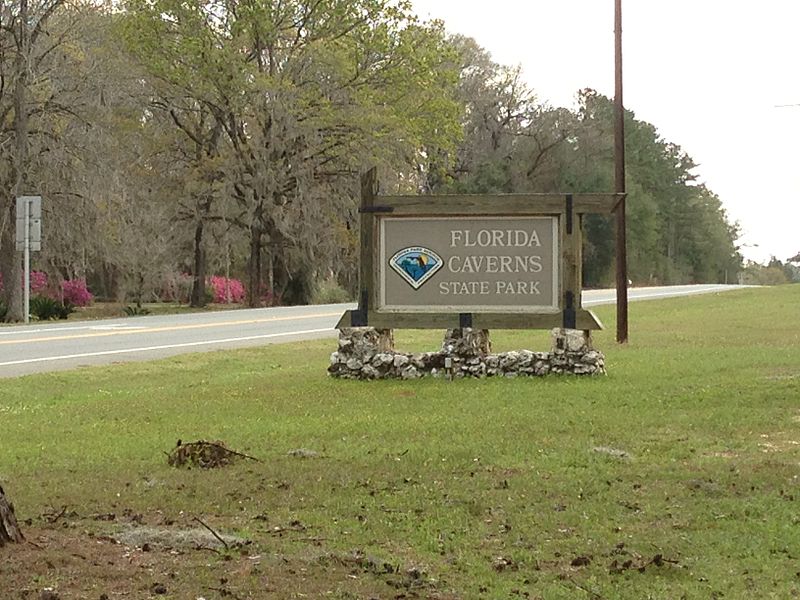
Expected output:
{"points": [[35, 218], [35, 206]]}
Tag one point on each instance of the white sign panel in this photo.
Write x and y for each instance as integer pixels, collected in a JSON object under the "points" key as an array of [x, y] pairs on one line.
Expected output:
{"points": [[470, 264], [34, 215]]}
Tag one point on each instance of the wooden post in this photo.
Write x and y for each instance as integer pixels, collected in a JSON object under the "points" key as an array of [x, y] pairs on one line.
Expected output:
{"points": [[9, 530], [368, 278], [366, 300], [619, 181], [571, 261]]}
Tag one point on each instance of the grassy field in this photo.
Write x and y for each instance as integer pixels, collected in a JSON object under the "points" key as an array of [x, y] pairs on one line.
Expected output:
{"points": [[676, 476]]}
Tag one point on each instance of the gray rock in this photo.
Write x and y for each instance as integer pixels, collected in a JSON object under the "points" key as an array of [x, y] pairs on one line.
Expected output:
{"points": [[384, 359], [354, 364], [410, 372], [612, 452], [400, 361], [571, 340], [370, 372], [303, 453], [509, 360], [467, 342]]}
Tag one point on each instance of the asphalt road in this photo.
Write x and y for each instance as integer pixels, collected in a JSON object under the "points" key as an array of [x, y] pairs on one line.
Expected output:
{"points": [[42, 347]]}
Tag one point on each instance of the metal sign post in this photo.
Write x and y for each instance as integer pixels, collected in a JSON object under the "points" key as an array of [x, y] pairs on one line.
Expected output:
{"points": [[29, 237]]}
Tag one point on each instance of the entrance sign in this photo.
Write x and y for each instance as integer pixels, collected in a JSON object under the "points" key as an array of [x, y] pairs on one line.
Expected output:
{"points": [[469, 264], [504, 261]]}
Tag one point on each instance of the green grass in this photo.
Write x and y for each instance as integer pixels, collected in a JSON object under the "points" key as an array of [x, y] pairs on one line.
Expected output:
{"points": [[453, 476]]}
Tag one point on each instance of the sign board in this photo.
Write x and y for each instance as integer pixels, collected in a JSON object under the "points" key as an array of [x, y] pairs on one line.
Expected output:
{"points": [[469, 264], [503, 261], [34, 214]]}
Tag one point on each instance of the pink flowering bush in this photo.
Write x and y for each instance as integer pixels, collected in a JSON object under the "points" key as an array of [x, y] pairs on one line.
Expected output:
{"points": [[47, 303], [222, 286], [76, 293], [38, 282]]}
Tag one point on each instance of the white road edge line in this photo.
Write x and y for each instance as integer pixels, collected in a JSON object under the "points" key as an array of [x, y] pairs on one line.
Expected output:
{"points": [[165, 347], [632, 295], [97, 326]]}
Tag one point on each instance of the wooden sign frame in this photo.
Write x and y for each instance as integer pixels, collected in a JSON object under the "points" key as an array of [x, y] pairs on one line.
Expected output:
{"points": [[567, 208]]}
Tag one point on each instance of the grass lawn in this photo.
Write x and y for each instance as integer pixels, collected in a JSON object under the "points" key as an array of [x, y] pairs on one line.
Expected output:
{"points": [[676, 476], [115, 310]]}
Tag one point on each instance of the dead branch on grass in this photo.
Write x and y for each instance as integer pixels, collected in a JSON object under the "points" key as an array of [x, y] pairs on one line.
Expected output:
{"points": [[214, 533]]}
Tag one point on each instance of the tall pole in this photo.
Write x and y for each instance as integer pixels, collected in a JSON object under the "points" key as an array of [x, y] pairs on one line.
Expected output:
{"points": [[619, 180]]}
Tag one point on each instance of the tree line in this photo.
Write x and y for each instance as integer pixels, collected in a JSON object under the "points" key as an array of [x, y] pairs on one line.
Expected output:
{"points": [[172, 137]]}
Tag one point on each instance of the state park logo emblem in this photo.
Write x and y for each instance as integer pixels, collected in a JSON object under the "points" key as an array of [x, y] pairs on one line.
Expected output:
{"points": [[416, 265]]}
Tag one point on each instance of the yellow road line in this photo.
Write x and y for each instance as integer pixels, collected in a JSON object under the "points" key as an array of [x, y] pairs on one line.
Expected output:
{"points": [[167, 328]]}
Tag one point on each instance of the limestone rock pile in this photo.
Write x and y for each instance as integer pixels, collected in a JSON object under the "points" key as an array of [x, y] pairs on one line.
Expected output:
{"points": [[366, 353]]}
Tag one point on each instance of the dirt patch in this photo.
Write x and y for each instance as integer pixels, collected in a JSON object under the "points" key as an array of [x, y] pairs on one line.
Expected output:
{"points": [[182, 539], [722, 454], [777, 443], [783, 377], [78, 565]]}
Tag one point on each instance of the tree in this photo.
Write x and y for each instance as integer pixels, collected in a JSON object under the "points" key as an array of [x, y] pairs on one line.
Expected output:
{"points": [[9, 529], [772, 273], [306, 94], [29, 46], [678, 231]]}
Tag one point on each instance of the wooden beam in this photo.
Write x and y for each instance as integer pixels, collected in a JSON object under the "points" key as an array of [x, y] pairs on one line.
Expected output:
{"points": [[497, 204], [584, 319]]}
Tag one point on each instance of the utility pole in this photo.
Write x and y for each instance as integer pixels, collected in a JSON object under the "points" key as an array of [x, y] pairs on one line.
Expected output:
{"points": [[619, 181]]}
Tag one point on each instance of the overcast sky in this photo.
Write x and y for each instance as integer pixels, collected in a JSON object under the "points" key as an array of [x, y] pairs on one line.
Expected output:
{"points": [[709, 74]]}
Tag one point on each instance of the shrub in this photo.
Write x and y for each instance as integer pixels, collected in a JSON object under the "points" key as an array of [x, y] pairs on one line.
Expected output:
{"points": [[330, 292], [222, 286], [177, 287], [136, 311], [38, 282], [270, 298], [76, 293], [46, 309], [73, 293]]}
